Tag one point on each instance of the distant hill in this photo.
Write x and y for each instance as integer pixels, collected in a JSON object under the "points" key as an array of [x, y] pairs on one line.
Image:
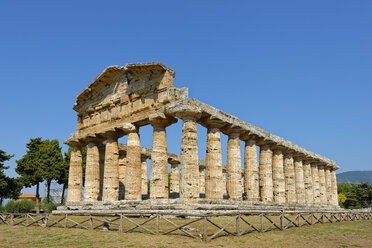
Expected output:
{"points": [[355, 177]]}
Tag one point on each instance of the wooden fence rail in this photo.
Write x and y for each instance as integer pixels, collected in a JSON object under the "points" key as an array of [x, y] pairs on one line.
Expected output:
{"points": [[197, 226]]}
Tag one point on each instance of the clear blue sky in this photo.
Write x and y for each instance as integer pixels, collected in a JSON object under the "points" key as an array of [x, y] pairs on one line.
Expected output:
{"points": [[299, 69]]}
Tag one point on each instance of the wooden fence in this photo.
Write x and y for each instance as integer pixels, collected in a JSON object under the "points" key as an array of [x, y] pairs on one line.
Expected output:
{"points": [[197, 226]]}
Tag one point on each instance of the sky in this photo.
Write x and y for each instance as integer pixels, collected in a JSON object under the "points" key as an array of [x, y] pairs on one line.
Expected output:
{"points": [[299, 69]]}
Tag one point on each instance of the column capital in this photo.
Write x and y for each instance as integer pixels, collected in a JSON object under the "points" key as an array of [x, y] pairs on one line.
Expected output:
{"points": [[306, 162], [186, 112], [74, 142], [93, 138], [161, 120], [212, 122]]}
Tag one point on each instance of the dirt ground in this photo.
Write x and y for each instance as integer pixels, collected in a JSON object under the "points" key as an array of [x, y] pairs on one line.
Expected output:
{"points": [[344, 234]]}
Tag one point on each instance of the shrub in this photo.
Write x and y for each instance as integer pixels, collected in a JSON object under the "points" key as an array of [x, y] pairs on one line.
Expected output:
{"points": [[19, 206], [50, 207], [2, 209]]}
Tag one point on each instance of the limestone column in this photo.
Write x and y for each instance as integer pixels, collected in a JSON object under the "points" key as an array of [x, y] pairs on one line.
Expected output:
{"points": [[266, 173], [334, 187], [308, 180], [251, 172], [213, 170], [144, 176], [299, 177], [322, 185], [133, 189], [201, 181], [233, 168], [174, 180], [101, 149], [290, 184], [328, 185], [189, 172], [111, 170], [315, 174], [159, 158], [278, 177], [122, 173], [224, 187], [75, 177], [92, 173]]}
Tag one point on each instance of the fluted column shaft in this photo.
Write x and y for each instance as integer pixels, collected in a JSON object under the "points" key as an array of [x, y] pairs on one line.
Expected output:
{"points": [[92, 173], [133, 185], [289, 173], [315, 174], [213, 170], [322, 185], [174, 180], [122, 173], [75, 177], [201, 181], [278, 177], [101, 150], [328, 185], [251, 171], [266, 175], [111, 170], [308, 180], [189, 178], [159, 164], [224, 186], [334, 188], [233, 168], [299, 177], [144, 176]]}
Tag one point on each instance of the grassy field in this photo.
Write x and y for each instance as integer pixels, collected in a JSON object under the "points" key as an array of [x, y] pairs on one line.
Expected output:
{"points": [[344, 234]]}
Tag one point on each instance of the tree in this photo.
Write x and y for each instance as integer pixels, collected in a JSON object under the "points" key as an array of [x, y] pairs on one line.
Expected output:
{"points": [[9, 187], [343, 188], [30, 167], [363, 193], [52, 161], [4, 157]]}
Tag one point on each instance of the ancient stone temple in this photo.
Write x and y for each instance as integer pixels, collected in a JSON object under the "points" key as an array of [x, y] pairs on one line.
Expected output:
{"points": [[276, 173]]}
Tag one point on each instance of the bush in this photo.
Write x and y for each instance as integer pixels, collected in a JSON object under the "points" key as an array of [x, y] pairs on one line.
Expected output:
{"points": [[50, 207], [19, 206], [2, 209]]}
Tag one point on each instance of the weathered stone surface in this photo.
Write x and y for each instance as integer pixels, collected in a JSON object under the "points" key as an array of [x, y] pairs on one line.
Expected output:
{"points": [[233, 168], [174, 180], [144, 176], [266, 173], [122, 172], [308, 180], [299, 177], [133, 183], [334, 195], [322, 185], [251, 171], [75, 177], [189, 176], [111, 170], [92, 173], [328, 185], [315, 174], [214, 188], [290, 184], [201, 181], [278, 177]]}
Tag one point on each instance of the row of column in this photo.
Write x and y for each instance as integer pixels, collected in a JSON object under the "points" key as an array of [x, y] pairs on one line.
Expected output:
{"points": [[279, 176]]}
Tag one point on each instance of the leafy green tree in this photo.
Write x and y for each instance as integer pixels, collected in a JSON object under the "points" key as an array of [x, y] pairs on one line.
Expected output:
{"points": [[30, 167], [9, 187], [343, 188], [4, 157], [363, 193], [52, 161]]}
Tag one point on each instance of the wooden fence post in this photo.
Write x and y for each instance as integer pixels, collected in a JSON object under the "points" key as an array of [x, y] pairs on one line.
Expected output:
{"points": [[238, 225], [205, 229]]}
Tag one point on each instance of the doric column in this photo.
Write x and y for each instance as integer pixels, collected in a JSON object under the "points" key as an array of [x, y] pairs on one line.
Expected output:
{"points": [[315, 174], [189, 173], [266, 173], [144, 176], [92, 173], [334, 187], [299, 176], [213, 170], [159, 158], [234, 167], [122, 173], [278, 177], [308, 180], [251, 171], [102, 150], [201, 181], [328, 185], [224, 187], [111, 169], [75, 177], [133, 189], [290, 184], [322, 185], [174, 180]]}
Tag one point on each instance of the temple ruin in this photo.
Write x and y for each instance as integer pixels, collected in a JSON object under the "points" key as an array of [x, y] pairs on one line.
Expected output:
{"points": [[276, 174]]}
